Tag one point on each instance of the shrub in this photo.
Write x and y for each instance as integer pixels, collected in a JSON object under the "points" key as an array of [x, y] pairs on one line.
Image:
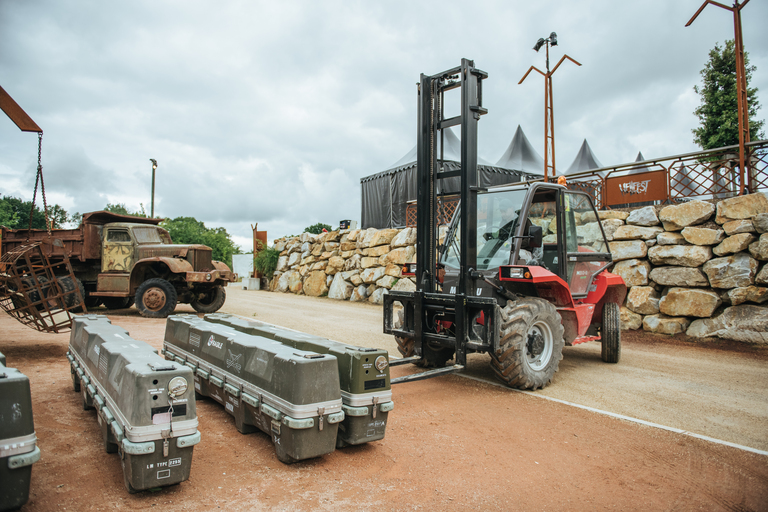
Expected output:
{"points": [[265, 262]]}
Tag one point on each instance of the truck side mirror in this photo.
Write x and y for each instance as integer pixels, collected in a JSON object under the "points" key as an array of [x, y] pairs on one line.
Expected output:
{"points": [[536, 236]]}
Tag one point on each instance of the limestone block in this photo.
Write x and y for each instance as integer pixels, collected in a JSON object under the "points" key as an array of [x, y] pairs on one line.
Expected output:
{"points": [[332, 271], [378, 237], [279, 245], [677, 217], [282, 283], [680, 255], [741, 207], [757, 294], [353, 262], [386, 282], [394, 270], [662, 324], [347, 246], [370, 289], [650, 243], [398, 256], [679, 276], [371, 275], [671, 239], [305, 237], [346, 254], [734, 244], [328, 280], [331, 246], [305, 246], [304, 270], [762, 276], [333, 236], [367, 262], [550, 239], [542, 223], [294, 259], [604, 215], [294, 245], [403, 238], [628, 250], [634, 272], [320, 265], [359, 294], [352, 235], [274, 281], [282, 264], [368, 233], [759, 249], [630, 320], [328, 255], [703, 236], [289, 282], [377, 297], [404, 285], [745, 323], [636, 233], [735, 227], [645, 216], [610, 226], [643, 300], [734, 271], [355, 279], [317, 250], [589, 233], [760, 221], [689, 302], [340, 289], [377, 251]]}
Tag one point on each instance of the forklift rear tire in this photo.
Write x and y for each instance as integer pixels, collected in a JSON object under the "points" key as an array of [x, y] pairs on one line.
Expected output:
{"points": [[156, 298], [431, 357], [611, 333], [531, 344]]}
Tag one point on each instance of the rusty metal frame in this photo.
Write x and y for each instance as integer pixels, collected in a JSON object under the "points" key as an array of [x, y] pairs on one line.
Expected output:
{"points": [[33, 290]]}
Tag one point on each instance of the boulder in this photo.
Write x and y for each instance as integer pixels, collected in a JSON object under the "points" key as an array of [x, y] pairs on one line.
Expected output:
{"points": [[636, 233], [393, 270], [762, 276], [340, 289], [398, 256], [353, 262], [371, 275], [589, 232], [745, 323], [634, 272], [274, 281], [610, 226], [678, 276], [282, 263], [320, 265], [689, 302], [352, 235], [759, 249], [604, 215], [294, 259], [703, 236], [628, 250], [377, 237], [643, 300], [645, 216], [756, 294], [677, 217], [735, 271], [336, 262], [386, 282], [760, 221], [741, 207], [355, 279], [403, 238], [377, 297], [734, 244], [630, 320], [671, 239], [315, 285], [347, 246], [735, 227], [680, 255], [650, 243], [369, 262], [404, 285], [359, 294], [375, 252], [288, 282], [279, 245], [662, 324]]}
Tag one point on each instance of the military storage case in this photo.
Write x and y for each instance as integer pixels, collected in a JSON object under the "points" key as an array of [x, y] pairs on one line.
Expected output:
{"points": [[145, 406], [18, 443], [291, 395], [363, 376]]}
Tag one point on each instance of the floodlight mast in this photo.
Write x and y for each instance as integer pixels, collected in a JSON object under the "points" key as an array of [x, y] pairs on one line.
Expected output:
{"points": [[549, 115], [741, 81]]}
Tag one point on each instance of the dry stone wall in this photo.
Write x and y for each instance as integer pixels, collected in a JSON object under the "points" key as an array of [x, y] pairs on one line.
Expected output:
{"points": [[696, 267]]}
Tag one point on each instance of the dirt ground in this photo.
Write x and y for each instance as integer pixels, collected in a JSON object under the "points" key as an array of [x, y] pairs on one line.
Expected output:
{"points": [[451, 443]]}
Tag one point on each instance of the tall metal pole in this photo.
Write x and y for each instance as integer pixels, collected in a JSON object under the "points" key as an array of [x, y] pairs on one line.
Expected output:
{"points": [[741, 85], [152, 208], [549, 111]]}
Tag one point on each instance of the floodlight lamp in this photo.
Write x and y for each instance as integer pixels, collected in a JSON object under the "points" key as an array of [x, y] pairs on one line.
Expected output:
{"points": [[154, 163], [553, 39], [539, 44]]}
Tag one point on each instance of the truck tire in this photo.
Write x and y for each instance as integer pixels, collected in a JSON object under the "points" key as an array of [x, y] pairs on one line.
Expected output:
{"points": [[431, 357], [156, 298], [210, 300], [115, 302], [610, 333], [67, 286], [531, 344]]}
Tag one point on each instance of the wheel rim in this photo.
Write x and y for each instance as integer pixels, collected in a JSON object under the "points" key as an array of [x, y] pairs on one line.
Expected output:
{"points": [[154, 299], [540, 344]]}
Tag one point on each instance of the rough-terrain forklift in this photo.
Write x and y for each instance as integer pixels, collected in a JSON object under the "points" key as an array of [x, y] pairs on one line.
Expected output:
{"points": [[522, 269]]}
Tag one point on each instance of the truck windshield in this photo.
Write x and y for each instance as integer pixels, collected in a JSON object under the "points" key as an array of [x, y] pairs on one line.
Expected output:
{"points": [[147, 235], [497, 214]]}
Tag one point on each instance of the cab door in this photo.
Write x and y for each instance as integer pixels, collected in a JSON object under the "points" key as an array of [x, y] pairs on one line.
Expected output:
{"points": [[117, 250]]}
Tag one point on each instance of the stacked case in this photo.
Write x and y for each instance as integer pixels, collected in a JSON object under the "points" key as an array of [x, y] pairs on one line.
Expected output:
{"points": [[18, 442], [293, 395], [363, 376], [145, 406]]}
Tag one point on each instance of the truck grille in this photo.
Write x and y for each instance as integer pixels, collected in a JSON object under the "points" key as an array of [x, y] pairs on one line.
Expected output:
{"points": [[200, 259]]}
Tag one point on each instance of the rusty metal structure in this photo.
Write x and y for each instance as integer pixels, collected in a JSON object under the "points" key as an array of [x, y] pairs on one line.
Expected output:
{"points": [[549, 112], [741, 84], [39, 292]]}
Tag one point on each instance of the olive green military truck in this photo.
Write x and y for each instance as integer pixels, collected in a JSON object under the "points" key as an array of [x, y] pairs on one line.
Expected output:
{"points": [[121, 259]]}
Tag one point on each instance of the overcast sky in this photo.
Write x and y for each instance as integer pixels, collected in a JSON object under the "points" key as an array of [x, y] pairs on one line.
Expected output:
{"points": [[271, 112]]}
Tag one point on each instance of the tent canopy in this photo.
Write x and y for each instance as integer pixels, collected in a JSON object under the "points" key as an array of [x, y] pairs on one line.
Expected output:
{"points": [[585, 160], [521, 156]]}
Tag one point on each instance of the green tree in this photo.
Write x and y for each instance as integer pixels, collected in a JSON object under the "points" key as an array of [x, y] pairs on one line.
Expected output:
{"points": [[316, 229], [121, 209], [14, 214], [188, 230], [718, 112]]}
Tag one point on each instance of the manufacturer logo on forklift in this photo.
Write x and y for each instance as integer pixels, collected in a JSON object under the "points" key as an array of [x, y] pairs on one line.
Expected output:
{"points": [[213, 343]]}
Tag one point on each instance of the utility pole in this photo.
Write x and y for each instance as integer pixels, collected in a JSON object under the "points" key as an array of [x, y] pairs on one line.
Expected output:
{"points": [[741, 85], [549, 115], [152, 209]]}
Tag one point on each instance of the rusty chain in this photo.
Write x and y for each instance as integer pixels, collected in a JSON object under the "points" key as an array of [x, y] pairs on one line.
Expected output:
{"points": [[39, 179]]}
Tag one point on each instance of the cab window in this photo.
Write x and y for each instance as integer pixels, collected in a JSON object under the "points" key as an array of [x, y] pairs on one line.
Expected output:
{"points": [[118, 235]]}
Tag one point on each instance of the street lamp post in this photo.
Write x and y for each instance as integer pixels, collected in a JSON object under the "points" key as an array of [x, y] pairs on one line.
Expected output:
{"points": [[549, 116], [152, 208]]}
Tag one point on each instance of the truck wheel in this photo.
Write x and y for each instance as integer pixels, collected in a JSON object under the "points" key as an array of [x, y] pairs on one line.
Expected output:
{"points": [[71, 299], [611, 333], [156, 298], [92, 302], [115, 302], [531, 344], [210, 300]]}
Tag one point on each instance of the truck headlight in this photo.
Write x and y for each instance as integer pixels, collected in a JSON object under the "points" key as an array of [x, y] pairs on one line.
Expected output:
{"points": [[207, 277]]}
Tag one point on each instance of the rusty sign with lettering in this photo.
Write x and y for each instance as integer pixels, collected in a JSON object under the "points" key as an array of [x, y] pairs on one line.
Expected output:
{"points": [[636, 188]]}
